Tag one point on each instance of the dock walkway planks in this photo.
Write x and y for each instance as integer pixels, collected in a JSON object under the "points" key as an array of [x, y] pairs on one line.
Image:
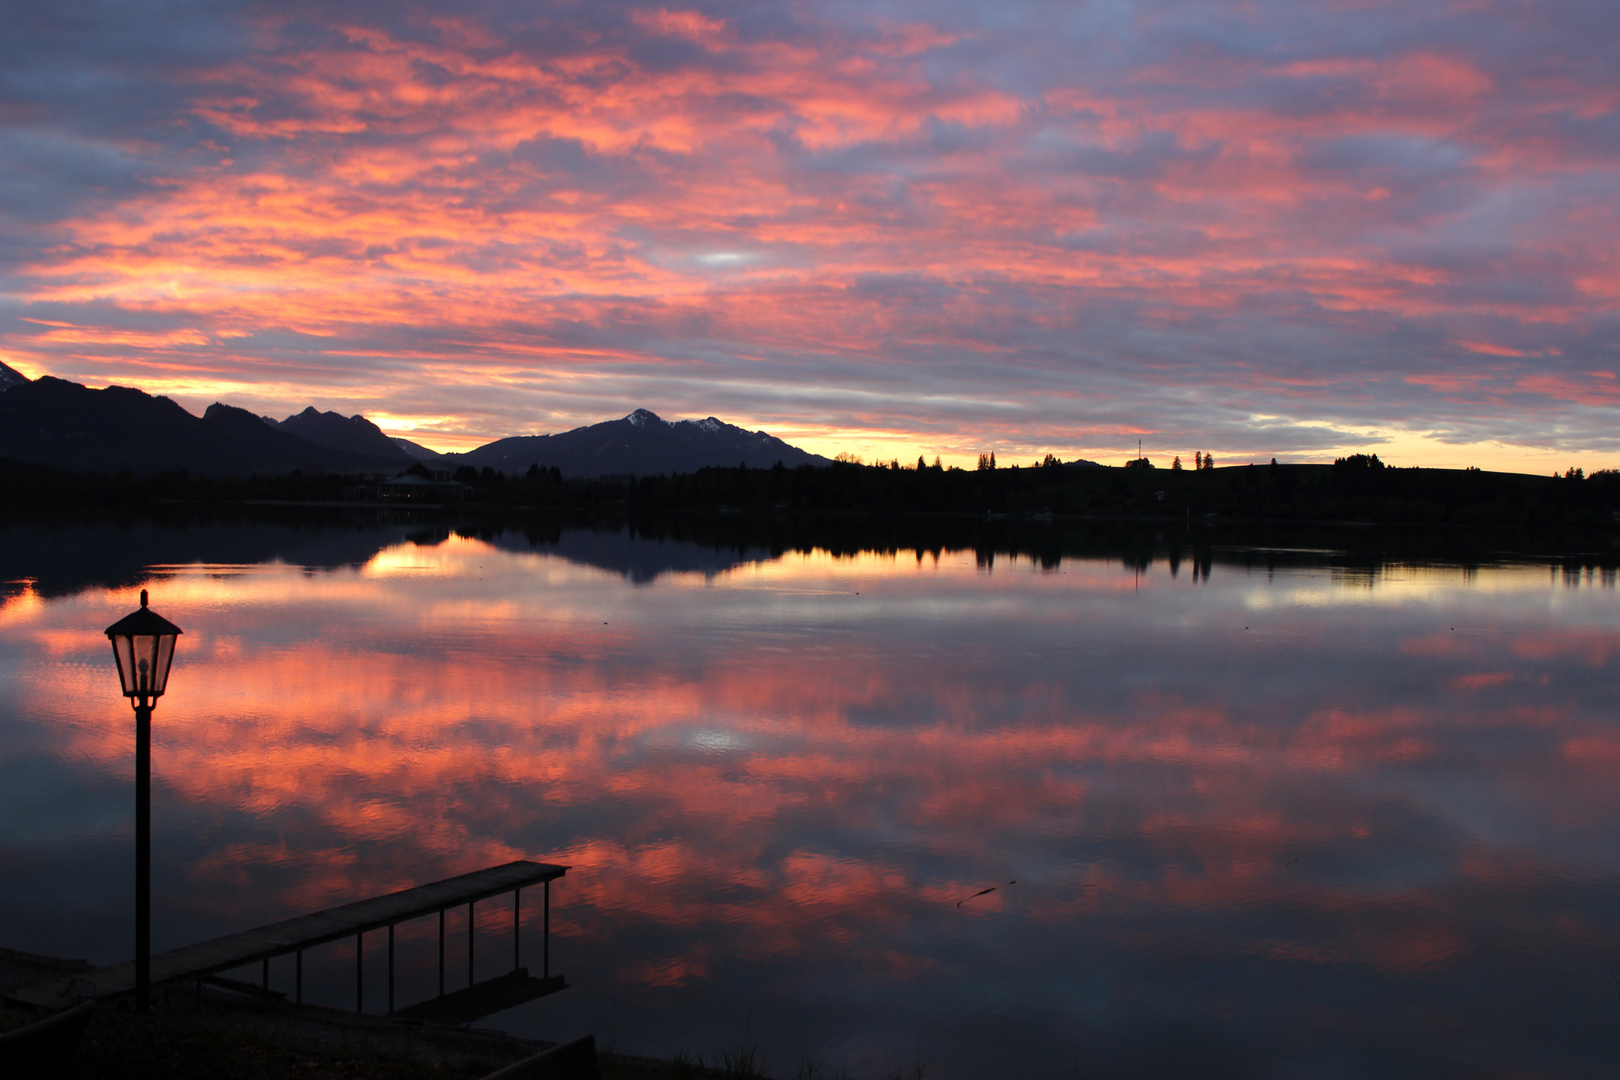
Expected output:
{"points": [[292, 935]]}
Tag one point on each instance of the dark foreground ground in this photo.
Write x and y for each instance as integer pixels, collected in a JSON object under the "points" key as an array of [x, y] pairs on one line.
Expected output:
{"points": [[233, 1036], [230, 1031]]}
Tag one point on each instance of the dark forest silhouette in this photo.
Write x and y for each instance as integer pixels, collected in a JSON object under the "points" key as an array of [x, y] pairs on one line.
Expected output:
{"points": [[1359, 488]]}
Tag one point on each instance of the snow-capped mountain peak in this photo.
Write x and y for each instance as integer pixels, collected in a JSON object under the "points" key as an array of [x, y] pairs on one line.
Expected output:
{"points": [[650, 447]]}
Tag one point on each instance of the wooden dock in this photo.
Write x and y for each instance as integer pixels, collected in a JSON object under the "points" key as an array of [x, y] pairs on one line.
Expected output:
{"points": [[293, 936]]}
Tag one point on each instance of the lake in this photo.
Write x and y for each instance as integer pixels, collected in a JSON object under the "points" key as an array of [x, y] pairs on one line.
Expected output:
{"points": [[1247, 810]]}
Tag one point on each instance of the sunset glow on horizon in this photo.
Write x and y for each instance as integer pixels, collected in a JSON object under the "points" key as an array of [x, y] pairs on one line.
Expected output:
{"points": [[926, 228]]}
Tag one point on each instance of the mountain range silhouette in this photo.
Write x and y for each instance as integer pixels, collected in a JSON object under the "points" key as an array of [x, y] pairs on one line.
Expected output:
{"points": [[51, 421]]}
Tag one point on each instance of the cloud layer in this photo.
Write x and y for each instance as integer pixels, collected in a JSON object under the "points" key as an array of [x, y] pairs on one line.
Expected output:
{"points": [[1260, 229]]}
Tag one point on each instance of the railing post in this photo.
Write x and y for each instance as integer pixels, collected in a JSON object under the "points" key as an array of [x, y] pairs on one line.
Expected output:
{"points": [[470, 922], [515, 954], [390, 968], [359, 973], [264, 975], [298, 978], [441, 952], [545, 936]]}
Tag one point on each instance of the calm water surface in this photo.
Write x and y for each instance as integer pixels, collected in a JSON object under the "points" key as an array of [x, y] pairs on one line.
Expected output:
{"points": [[1314, 821]]}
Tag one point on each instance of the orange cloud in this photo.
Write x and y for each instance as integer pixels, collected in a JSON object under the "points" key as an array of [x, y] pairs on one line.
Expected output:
{"points": [[378, 211]]}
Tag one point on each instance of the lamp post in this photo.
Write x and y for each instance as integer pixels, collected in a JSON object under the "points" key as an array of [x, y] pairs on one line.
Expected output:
{"points": [[143, 646]]}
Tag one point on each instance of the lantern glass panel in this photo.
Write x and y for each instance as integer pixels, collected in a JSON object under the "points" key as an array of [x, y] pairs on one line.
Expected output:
{"points": [[123, 652], [163, 656], [145, 649], [143, 663]]}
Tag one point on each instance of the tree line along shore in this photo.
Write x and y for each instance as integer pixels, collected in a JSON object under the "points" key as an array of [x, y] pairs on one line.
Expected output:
{"points": [[1354, 489]]}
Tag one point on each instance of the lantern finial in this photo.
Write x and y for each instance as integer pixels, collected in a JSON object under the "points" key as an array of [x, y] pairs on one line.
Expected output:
{"points": [[143, 598]]}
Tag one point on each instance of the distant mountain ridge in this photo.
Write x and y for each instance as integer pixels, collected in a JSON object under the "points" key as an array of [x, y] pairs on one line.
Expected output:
{"points": [[50, 421], [642, 443], [354, 434], [416, 451]]}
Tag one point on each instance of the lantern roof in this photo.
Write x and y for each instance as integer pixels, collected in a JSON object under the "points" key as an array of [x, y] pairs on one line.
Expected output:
{"points": [[142, 623]]}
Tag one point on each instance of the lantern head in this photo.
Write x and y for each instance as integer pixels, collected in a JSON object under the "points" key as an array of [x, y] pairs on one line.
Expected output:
{"points": [[143, 646]]}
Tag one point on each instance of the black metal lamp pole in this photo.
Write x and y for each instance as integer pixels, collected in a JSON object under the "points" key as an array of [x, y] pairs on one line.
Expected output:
{"points": [[143, 646], [143, 854]]}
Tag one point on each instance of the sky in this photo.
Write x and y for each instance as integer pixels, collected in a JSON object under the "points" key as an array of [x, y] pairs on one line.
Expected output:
{"points": [[1258, 229]]}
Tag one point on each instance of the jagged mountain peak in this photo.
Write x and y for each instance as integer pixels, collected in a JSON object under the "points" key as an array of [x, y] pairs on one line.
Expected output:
{"points": [[221, 413], [10, 377], [643, 444], [354, 434], [52, 421], [311, 413]]}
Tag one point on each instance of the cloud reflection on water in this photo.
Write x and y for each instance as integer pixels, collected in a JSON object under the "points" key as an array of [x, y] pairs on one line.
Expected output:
{"points": [[1271, 821]]}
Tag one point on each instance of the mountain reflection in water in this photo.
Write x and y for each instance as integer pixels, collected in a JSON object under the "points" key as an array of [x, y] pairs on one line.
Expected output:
{"points": [[1269, 812]]}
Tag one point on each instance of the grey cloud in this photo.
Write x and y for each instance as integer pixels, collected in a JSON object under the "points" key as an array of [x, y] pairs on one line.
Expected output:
{"points": [[46, 176], [98, 106]]}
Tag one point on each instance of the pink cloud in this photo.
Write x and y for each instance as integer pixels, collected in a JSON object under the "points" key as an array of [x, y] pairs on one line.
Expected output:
{"points": [[811, 193]]}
